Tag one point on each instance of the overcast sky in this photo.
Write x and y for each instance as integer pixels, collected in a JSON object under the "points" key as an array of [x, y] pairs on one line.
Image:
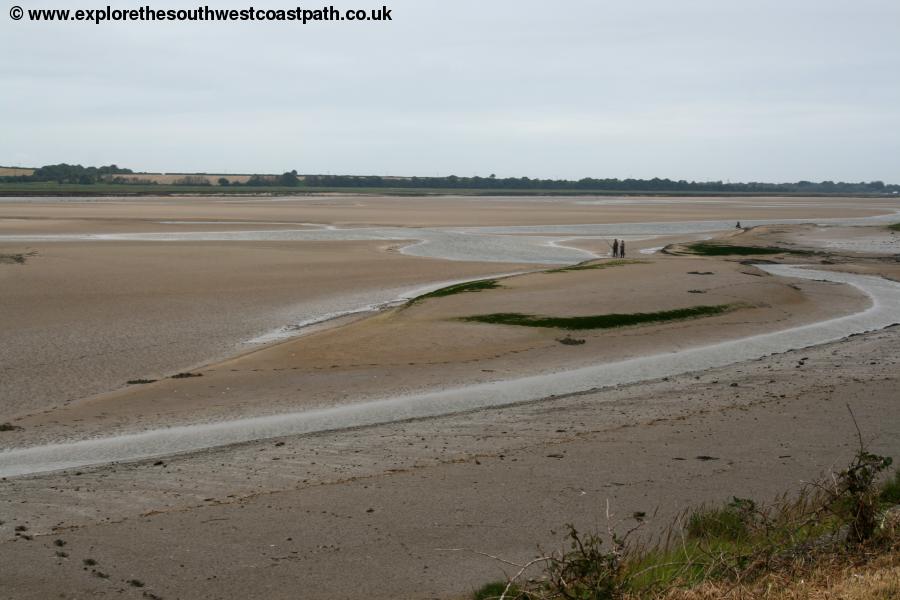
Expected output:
{"points": [[774, 90]]}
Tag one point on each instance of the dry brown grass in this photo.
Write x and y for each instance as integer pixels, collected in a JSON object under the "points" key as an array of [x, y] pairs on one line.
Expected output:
{"points": [[839, 538], [14, 171], [171, 179], [876, 580], [159, 178]]}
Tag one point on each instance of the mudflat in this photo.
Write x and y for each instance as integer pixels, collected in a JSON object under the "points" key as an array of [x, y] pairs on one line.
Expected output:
{"points": [[426, 345], [85, 315], [83, 318], [88, 215], [111, 291]]}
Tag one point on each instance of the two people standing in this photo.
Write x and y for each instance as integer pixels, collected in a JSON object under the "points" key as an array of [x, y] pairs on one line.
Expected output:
{"points": [[618, 249]]}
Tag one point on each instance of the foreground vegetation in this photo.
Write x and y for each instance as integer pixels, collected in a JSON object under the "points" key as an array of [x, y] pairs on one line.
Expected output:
{"points": [[840, 534], [607, 321]]}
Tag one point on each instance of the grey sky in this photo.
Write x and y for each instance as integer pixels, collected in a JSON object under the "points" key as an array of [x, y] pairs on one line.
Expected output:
{"points": [[736, 90]]}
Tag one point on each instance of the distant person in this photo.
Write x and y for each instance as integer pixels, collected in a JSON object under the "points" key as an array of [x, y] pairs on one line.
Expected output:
{"points": [[622, 249], [738, 226], [615, 248]]}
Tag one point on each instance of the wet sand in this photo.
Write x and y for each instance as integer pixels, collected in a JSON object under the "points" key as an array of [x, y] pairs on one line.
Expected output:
{"points": [[425, 347], [386, 503], [143, 214], [81, 318], [84, 317]]}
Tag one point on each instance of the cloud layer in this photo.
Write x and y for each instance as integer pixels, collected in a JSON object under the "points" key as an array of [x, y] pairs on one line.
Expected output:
{"points": [[696, 89]]}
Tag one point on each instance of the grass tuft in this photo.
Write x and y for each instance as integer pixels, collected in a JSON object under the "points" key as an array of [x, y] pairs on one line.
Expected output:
{"points": [[600, 265], [890, 489], [16, 259], [719, 249], [729, 522], [894, 227], [459, 288], [608, 321], [494, 590]]}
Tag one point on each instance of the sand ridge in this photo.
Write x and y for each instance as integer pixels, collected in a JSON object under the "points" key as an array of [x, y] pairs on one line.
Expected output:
{"points": [[425, 346]]}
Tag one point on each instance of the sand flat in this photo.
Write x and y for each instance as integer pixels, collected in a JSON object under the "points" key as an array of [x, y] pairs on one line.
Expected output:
{"points": [[271, 516], [436, 211], [85, 316], [425, 347], [80, 319]]}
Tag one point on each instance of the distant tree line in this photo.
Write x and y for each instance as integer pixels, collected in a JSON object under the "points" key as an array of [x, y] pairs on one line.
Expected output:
{"points": [[192, 180], [289, 179], [64, 173], [587, 184]]}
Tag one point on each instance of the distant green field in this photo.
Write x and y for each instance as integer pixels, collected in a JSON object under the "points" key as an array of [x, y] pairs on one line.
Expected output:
{"points": [[115, 189], [894, 227]]}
